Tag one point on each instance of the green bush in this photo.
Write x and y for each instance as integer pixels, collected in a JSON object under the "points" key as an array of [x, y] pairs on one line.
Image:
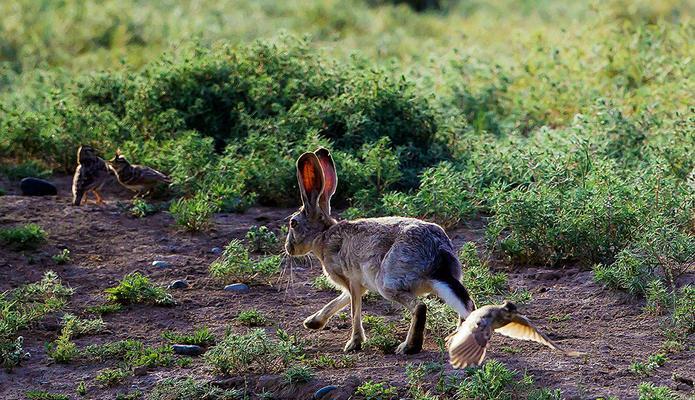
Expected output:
{"points": [[193, 214], [382, 334], [189, 388], [62, 258], [649, 391], [298, 374], [252, 318], [200, 337], [371, 390], [25, 237], [30, 168], [136, 288], [483, 284], [262, 240], [41, 395]]}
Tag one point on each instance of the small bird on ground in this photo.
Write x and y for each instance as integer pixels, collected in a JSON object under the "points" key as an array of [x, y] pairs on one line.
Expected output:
{"points": [[467, 346], [90, 175], [138, 178]]}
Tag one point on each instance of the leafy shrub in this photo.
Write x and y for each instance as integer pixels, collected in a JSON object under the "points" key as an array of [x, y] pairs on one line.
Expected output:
{"points": [[236, 264], [322, 283], [30, 168], [140, 208], [112, 376], [481, 282], [25, 237], [253, 352], [62, 258], [645, 369], [107, 308], [251, 318], [200, 337], [371, 390], [42, 395], [262, 240], [136, 288]]}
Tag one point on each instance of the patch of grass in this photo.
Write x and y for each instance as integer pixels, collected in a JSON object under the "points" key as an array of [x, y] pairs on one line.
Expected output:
{"points": [[254, 352], [134, 395], [112, 376], [252, 317], [189, 388], [132, 353], [42, 395], [381, 334], [645, 369], [21, 307], [325, 361], [62, 258], [141, 209], [136, 288], [193, 214], [200, 337], [493, 380], [649, 391], [235, 264], [262, 240], [81, 388], [322, 283], [25, 237], [371, 390], [484, 285], [80, 326], [106, 308], [26, 169], [298, 374], [559, 317]]}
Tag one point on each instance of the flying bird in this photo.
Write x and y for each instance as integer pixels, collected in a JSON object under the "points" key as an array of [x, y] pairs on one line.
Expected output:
{"points": [[138, 178], [90, 175], [467, 346]]}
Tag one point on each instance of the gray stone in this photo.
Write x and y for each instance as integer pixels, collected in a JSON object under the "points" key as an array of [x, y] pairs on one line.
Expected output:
{"points": [[237, 287], [319, 394], [216, 250], [188, 349], [178, 284], [160, 264]]}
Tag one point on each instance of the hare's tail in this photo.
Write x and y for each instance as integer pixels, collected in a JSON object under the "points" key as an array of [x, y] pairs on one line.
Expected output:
{"points": [[448, 287]]}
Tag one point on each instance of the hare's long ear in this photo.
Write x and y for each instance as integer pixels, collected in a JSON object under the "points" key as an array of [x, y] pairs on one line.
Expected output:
{"points": [[310, 178], [330, 179]]}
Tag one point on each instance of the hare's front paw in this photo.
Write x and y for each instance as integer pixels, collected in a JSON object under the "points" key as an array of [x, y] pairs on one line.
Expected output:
{"points": [[314, 322], [354, 344], [408, 348]]}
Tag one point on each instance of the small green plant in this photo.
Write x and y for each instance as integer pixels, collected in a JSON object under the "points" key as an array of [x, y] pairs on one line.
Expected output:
{"points": [[112, 376], [298, 374], [193, 214], [262, 240], [649, 391], [200, 337], [63, 350], [645, 369], [188, 388], [81, 388], [482, 283], [136, 288], [134, 395], [559, 317], [62, 258], [235, 264], [251, 318], [42, 395], [140, 208], [381, 334], [25, 237], [30, 168], [327, 362], [254, 352], [106, 308], [371, 390]]}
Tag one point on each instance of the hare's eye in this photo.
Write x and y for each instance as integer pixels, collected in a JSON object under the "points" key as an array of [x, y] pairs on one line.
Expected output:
{"points": [[293, 223]]}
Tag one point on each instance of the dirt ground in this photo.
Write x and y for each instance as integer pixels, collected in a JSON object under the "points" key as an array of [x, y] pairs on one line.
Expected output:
{"points": [[106, 243]]}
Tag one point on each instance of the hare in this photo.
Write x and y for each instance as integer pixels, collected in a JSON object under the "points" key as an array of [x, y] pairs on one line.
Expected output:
{"points": [[399, 258]]}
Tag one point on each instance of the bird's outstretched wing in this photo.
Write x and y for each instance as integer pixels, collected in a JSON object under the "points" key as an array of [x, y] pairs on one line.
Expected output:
{"points": [[468, 345], [521, 328]]}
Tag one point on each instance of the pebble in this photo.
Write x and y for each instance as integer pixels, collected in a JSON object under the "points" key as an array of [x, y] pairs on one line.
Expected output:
{"points": [[178, 284], [160, 264], [216, 250], [319, 394], [37, 187], [188, 349], [237, 287]]}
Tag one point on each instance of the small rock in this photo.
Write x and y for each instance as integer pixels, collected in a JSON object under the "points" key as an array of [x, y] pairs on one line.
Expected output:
{"points": [[37, 187], [683, 387], [160, 264], [178, 284], [188, 349], [237, 287], [319, 394], [216, 250]]}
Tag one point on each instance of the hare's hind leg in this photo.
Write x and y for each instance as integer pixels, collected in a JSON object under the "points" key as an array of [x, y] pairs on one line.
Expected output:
{"points": [[358, 336], [416, 334], [319, 319]]}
